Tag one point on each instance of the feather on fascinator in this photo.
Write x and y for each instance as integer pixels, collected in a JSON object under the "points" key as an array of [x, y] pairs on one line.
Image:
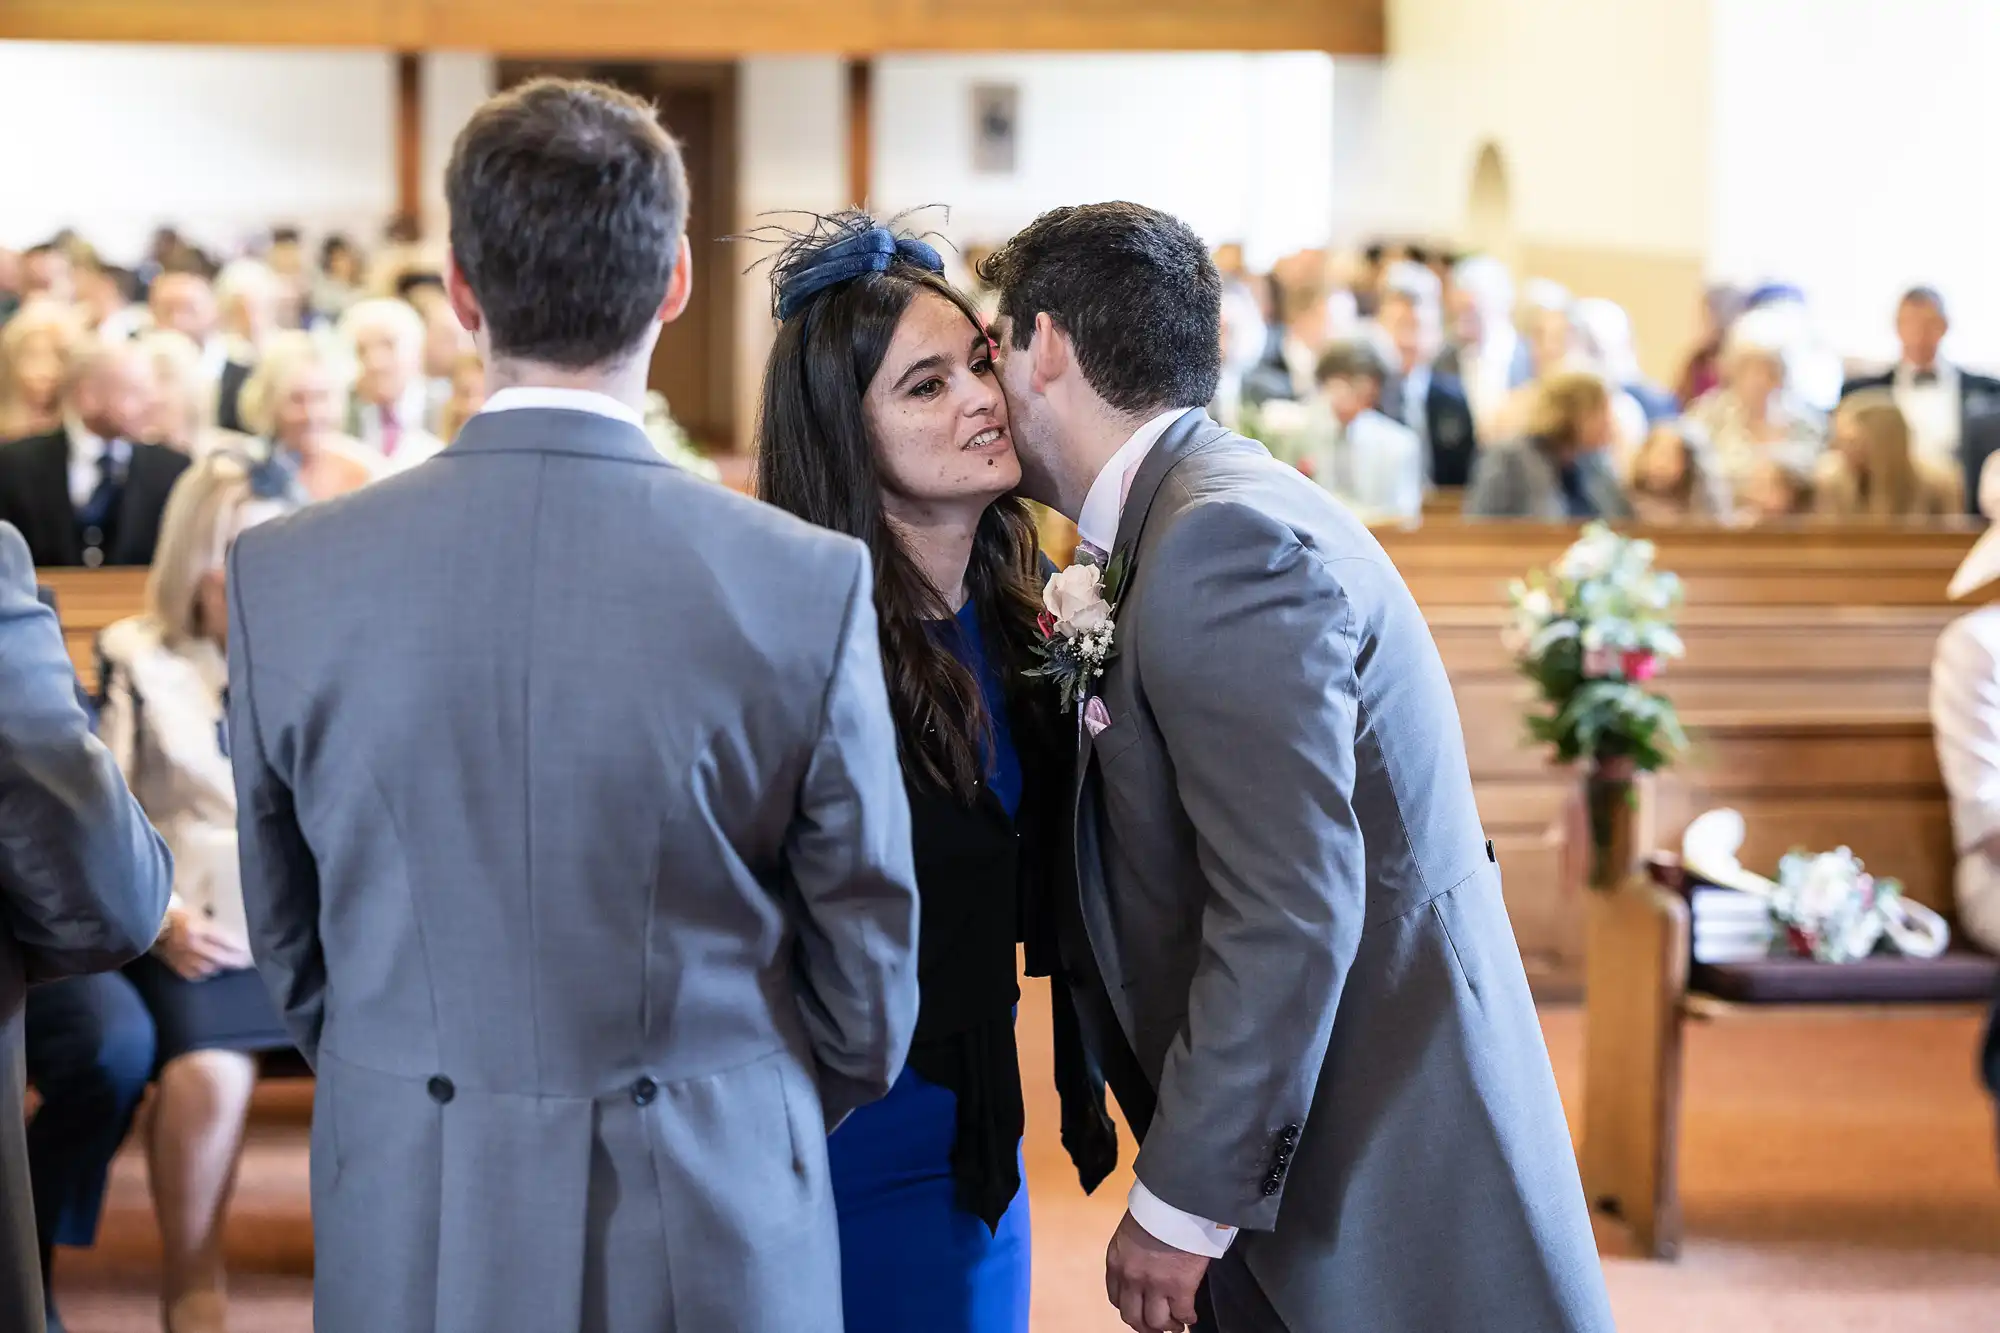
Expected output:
{"points": [[838, 249]]}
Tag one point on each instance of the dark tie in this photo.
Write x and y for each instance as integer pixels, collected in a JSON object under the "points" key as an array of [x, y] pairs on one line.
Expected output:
{"points": [[1923, 379], [94, 519]]}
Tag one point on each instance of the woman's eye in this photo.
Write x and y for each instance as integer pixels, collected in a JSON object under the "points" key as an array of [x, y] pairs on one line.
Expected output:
{"points": [[982, 365], [930, 388]]}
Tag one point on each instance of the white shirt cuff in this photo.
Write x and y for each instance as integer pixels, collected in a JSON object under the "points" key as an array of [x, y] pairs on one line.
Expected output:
{"points": [[1170, 1226]]}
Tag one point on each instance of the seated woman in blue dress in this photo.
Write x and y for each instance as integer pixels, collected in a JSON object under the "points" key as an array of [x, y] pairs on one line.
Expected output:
{"points": [[882, 418]]}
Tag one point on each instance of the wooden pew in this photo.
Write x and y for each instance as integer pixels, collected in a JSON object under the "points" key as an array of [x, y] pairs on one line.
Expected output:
{"points": [[1786, 629], [88, 600], [1814, 621]]}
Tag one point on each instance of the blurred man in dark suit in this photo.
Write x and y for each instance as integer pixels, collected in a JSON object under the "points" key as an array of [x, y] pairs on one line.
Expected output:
{"points": [[1942, 402], [1422, 396], [92, 493]]}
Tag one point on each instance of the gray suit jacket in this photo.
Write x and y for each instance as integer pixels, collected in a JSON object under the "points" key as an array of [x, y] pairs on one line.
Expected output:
{"points": [[576, 852], [1300, 927], [83, 877]]}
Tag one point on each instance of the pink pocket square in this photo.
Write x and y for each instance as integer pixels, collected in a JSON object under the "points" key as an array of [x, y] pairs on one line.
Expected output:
{"points": [[1096, 716]]}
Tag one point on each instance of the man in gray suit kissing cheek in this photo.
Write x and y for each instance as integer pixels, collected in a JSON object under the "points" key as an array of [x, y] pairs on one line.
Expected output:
{"points": [[1287, 936]]}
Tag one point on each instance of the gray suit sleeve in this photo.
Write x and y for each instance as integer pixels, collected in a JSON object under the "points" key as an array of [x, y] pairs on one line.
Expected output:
{"points": [[280, 876], [84, 878], [849, 861], [1248, 664]]}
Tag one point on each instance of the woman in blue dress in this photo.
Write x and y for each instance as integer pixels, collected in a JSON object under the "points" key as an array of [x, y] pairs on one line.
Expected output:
{"points": [[882, 418]]}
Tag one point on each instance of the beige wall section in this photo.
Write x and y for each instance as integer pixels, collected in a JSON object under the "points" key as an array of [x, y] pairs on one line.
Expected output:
{"points": [[792, 154], [1662, 293], [1600, 117]]}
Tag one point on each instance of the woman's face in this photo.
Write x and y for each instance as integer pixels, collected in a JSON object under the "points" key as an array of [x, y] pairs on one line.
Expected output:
{"points": [[1662, 462], [172, 420], [38, 370], [305, 407], [1755, 377], [935, 413], [1552, 340], [1598, 430]]}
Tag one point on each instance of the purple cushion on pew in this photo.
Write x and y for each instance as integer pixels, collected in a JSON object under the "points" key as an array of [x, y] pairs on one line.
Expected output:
{"points": [[1954, 976], [1960, 974]]}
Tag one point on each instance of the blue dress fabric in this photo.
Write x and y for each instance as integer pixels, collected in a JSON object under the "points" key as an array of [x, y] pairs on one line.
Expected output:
{"points": [[912, 1260]]}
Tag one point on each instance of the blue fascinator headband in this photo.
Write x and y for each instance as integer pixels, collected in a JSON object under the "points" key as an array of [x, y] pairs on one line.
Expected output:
{"points": [[812, 268]]}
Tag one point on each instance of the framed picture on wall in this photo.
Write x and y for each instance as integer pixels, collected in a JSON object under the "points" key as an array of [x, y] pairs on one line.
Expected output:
{"points": [[996, 128]]}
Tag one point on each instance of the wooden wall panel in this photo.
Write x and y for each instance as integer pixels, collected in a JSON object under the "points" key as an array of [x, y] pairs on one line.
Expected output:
{"points": [[713, 29]]}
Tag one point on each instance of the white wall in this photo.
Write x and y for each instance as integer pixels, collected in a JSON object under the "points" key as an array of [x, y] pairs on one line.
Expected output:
{"points": [[1601, 108], [1241, 146], [454, 84], [792, 154], [221, 142], [1849, 138]]}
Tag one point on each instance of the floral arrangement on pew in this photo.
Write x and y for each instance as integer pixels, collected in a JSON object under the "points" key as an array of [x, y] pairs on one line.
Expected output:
{"points": [[1591, 633], [1823, 906]]}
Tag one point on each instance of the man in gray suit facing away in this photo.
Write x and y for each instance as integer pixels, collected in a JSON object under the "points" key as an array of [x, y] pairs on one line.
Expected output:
{"points": [[83, 878], [574, 842], [1295, 963]]}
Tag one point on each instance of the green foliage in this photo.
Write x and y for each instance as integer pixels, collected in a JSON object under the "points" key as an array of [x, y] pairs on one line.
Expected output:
{"points": [[1589, 632]]}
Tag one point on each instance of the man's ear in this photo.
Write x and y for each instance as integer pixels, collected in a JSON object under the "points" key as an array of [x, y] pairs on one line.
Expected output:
{"points": [[1049, 353], [459, 292], [680, 287]]}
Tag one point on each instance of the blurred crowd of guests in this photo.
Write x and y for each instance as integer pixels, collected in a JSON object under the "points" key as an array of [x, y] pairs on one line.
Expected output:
{"points": [[323, 368], [1399, 373]]}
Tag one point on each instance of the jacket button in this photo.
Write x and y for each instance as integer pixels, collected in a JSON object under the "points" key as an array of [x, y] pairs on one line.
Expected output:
{"points": [[1270, 1187], [440, 1089], [1290, 1136], [644, 1091]]}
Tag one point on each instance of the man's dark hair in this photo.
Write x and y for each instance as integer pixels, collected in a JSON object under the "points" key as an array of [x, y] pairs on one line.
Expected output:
{"points": [[285, 235], [1135, 290], [1351, 361], [1929, 296], [567, 205]]}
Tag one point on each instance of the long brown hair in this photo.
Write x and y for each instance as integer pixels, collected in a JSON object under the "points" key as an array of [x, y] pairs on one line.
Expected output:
{"points": [[816, 460], [1884, 475]]}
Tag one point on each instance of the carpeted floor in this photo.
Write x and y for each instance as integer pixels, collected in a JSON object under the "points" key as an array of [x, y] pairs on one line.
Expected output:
{"points": [[1839, 1178]]}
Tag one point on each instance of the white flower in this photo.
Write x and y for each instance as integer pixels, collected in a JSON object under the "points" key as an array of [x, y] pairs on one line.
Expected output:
{"points": [[1075, 597], [1537, 603], [1592, 556]]}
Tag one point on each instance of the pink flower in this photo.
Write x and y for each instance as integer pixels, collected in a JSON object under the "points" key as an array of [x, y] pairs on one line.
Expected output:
{"points": [[1641, 666], [1597, 663]]}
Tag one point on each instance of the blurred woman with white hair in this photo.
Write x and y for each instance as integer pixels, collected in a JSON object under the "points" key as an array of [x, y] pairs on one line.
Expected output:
{"points": [[248, 295], [165, 675], [1486, 352], [1753, 419], [295, 402], [35, 349], [183, 398], [392, 409]]}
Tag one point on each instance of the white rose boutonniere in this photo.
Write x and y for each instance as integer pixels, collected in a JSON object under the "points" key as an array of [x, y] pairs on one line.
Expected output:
{"points": [[1078, 622]]}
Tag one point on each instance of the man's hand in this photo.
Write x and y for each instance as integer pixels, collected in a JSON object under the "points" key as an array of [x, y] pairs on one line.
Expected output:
{"points": [[1152, 1283]]}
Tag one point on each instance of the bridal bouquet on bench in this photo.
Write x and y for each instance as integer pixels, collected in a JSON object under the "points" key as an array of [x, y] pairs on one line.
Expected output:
{"points": [[1824, 906]]}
